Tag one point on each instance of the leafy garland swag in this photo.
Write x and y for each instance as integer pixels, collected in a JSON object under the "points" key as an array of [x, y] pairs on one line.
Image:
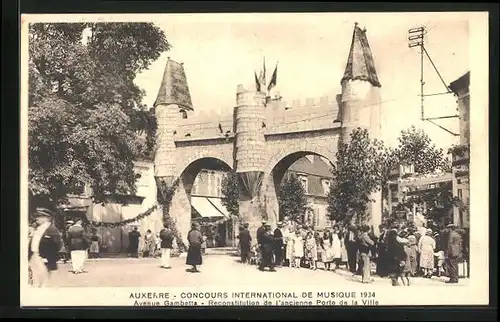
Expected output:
{"points": [[165, 195]]}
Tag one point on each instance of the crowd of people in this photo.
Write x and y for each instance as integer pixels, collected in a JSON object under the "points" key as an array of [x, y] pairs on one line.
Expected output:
{"points": [[49, 245], [399, 252]]}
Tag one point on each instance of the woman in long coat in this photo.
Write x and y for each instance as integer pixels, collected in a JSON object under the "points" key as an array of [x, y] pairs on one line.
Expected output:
{"points": [[195, 239], [395, 257], [426, 247]]}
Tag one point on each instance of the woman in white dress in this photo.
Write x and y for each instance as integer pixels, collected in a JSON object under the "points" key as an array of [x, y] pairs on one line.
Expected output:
{"points": [[288, 236], [327, 254], [336, 248], [426, 247], [298, 248], [311, 250]]}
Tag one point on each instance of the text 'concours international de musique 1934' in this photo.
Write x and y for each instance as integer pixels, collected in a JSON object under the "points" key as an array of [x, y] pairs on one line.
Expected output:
{"points": [[252, 160]]}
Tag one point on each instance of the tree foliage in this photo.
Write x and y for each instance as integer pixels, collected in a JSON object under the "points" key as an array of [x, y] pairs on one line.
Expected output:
{"points": [[416, 147], [359, 172], [230, 193], [85, 112], [292, 198]]}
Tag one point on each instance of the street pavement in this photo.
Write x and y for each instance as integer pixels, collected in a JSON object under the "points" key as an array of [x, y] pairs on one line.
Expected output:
{"points": [[216, 270]]}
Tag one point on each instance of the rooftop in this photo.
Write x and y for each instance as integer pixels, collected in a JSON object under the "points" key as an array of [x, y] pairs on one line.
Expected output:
{"points": [[460, 83], [360, 64], [174, 88]]}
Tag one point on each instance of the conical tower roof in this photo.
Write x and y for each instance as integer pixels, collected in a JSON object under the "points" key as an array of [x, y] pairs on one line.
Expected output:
{"points": [[360, 65], [174, 88]]}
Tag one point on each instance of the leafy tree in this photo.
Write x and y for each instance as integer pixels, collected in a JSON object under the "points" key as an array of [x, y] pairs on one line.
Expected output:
{"points": [[416, 147], [230, 193], [292, 198], [85, 112], [359, 172]]}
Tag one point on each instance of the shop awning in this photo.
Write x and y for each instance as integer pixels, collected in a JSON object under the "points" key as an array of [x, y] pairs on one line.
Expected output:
{"points": [[205, 208], [217, 203]]}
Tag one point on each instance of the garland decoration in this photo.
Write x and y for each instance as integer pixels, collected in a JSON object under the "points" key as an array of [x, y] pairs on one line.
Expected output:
{"points": [[124, 222], [164, 197]]}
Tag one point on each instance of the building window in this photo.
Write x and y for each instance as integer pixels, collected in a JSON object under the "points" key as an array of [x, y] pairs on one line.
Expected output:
{"points": [[459, 194], [218, 185], [196, 185], [303, 180], [184, 114], [326, 186], [211, 185], [316, 217]]}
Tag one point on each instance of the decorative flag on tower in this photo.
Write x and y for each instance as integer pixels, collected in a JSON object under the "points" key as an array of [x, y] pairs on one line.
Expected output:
{"points": [[262, 76], [274, 79], [257, 83]]}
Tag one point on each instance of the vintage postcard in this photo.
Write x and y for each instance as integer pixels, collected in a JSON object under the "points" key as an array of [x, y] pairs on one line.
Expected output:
{"points": [[304, 159]]}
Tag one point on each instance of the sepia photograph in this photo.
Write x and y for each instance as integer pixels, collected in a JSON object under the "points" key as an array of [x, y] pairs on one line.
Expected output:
{"points": [[277, 159]]}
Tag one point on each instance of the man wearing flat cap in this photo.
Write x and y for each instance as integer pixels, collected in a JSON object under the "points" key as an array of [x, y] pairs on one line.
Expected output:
{"points": [[44, 247]]}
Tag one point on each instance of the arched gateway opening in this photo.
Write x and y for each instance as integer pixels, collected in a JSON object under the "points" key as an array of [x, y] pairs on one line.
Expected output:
{"points": [[202, 184], [314, 173]]}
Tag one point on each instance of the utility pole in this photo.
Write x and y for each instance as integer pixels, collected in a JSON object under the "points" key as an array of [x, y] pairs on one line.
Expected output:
{"points": [[416, 39]]}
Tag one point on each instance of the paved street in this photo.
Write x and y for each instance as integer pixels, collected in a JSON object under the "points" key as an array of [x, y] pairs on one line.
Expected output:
{"points": [[216, 270]]}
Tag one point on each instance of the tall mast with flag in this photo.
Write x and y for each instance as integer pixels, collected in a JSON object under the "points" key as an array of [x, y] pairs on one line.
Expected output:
{"points": [[262, 76], [274, 79]]}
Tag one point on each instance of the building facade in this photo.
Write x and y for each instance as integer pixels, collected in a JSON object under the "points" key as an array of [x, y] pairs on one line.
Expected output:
{"points": [[460, 153], [406, 191], [315, 175]]}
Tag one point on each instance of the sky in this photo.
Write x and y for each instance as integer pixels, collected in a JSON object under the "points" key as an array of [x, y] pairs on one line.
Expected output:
{"points": [[220, 51]]}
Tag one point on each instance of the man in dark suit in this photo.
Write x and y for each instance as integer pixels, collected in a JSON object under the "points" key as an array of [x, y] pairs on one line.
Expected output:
{"points": [[351, 245], [267, 249], [78, 243], [453, 253], [260, 231], [43, 247], [245, 243], [278, 245], [133, 242], [167, 242]]}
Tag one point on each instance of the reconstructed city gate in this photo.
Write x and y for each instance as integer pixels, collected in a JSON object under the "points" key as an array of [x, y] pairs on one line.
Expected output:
{"points": [[262, 138]]}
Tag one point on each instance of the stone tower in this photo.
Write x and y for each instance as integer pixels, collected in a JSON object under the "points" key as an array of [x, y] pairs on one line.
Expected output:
{"points": [[173, 101], [360, 102], [250, 153]]}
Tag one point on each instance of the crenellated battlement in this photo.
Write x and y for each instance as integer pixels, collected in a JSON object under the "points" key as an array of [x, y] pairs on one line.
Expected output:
{"points": [[280, 116]]}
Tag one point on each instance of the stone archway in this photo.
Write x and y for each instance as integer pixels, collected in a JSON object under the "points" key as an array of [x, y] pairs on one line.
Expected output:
{"points": [[276, 169], [180, 209]]}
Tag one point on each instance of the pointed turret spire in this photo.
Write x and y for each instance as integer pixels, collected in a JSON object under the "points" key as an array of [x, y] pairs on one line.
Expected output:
{"points": [[174, 88], [360, 65]]}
